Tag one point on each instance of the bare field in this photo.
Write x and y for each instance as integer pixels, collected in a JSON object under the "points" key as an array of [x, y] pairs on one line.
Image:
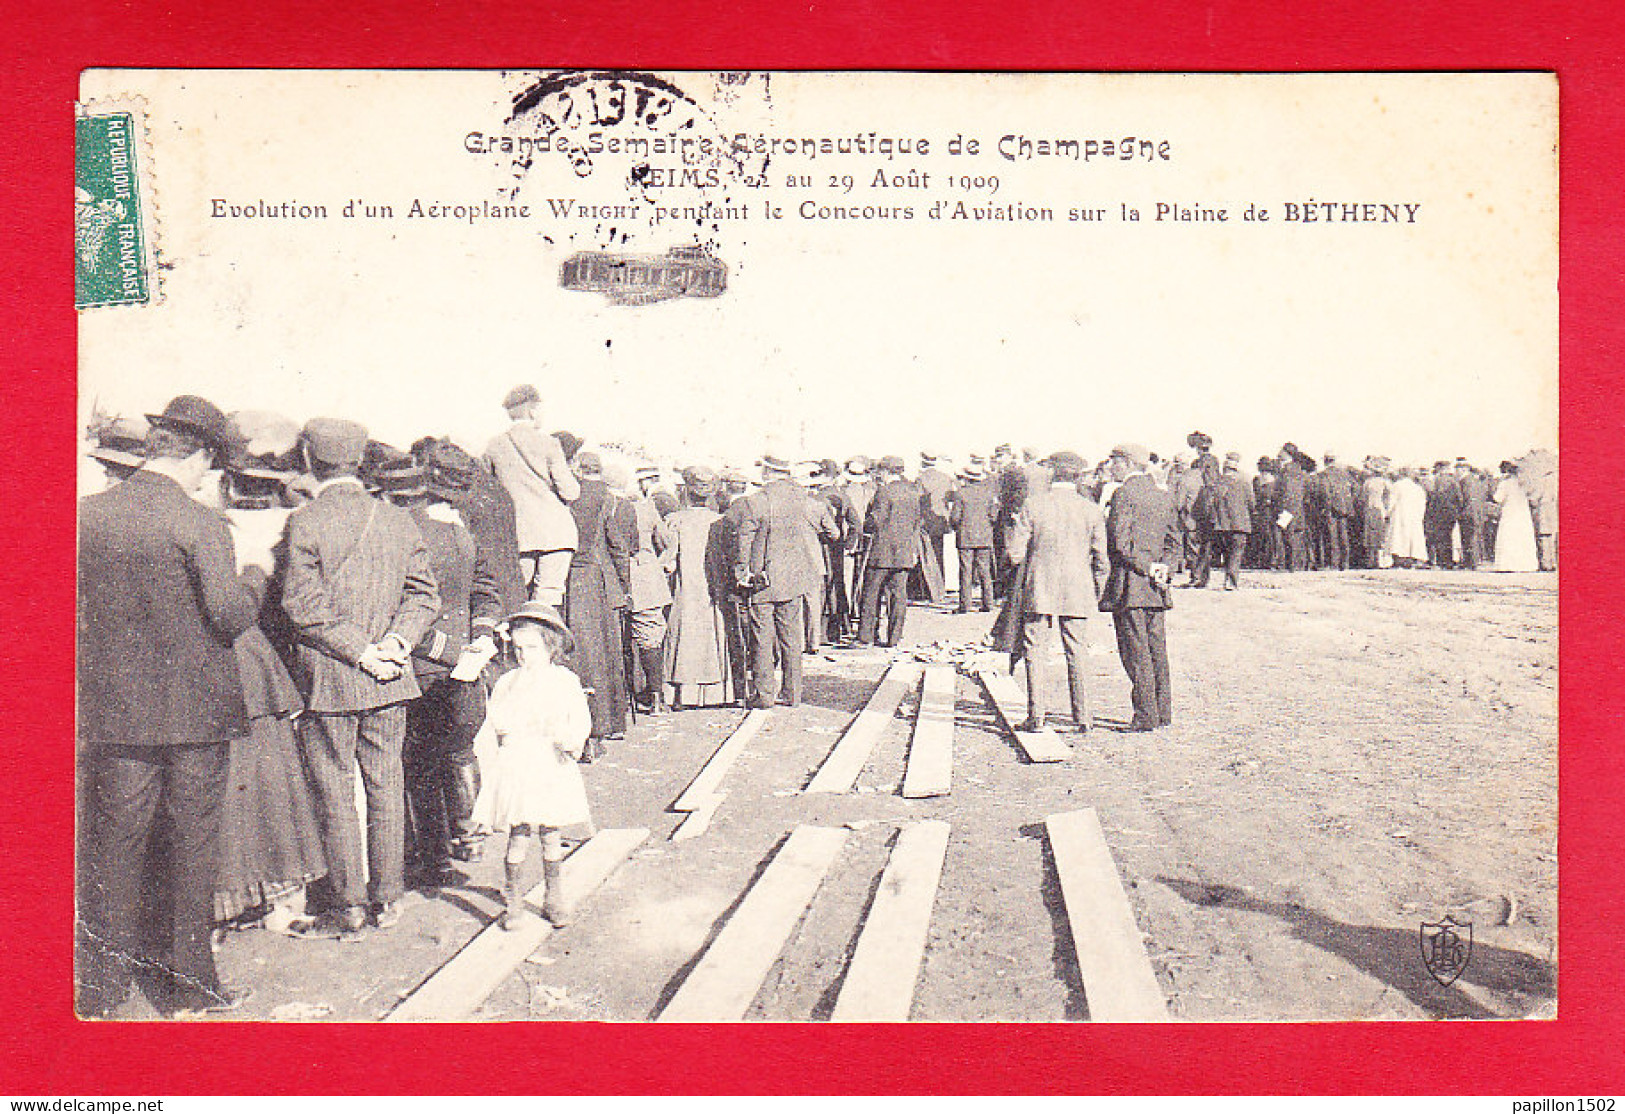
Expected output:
{"points": [[1353, 754]]}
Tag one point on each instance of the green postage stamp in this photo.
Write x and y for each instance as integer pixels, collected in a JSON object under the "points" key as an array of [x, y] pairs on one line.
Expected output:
{"points": [[113, 251]]}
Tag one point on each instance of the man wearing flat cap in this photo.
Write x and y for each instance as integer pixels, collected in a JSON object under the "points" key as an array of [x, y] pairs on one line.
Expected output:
{"points": [[1142, 533], [1058, 544], [160, 603], [894, 530], [360, 595], [531, 464]]}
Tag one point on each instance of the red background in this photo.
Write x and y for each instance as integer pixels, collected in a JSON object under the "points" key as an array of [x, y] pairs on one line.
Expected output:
{"points": [[43, 1049]]}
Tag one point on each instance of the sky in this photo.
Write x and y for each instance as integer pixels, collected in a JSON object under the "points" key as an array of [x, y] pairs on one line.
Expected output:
{"points": [[1414, 340]]}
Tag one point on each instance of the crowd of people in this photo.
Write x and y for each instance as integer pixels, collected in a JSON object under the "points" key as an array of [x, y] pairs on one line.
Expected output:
{"points": [[267, 608]]}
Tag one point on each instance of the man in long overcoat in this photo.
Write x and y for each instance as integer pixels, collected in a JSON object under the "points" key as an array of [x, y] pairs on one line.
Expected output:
{"points": [[1142, 533], [160, 603]]}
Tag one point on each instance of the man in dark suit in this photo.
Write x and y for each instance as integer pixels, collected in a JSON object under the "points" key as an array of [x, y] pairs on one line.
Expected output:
{"points": [[1058, 540], [1290, 489], [1142, 533], [938, 487], [442, 777], [1232, 518], [1474, 514], [779, 539], [360, 595], [1439, 515], [894, 529], [973, 508], [160, 699], [1341, 497]]}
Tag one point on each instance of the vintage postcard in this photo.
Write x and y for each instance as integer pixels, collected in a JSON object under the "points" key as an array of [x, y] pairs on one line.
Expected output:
{"points": [[857, 546]]}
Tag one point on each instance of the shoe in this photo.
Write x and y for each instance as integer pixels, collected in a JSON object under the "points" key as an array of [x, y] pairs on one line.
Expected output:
{"points": [[1031, 725], [1138, 724], [555, 908], [468, 849], [514, 912], [386, 914], [224, 1000], [759, 704], [786, 702]]}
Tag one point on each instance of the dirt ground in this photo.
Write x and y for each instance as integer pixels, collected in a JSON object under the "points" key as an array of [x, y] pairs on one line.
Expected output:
{"points": [[1353, 754]]}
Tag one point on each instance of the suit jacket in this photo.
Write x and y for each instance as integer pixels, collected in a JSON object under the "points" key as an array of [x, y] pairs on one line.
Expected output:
{"points": [[859, 496], [531, 466], [1142, 530], [1341, 493], [1233, 504], [1059, 540], [779, 532], [974, 508], [488, 512], [1289, 492], [160, 604], [938, 487], [895, 519], [1475, 499], [653, 557], [470, 602], [358, 570]]}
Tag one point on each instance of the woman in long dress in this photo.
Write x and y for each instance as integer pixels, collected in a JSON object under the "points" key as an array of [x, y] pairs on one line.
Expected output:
{"points": [[1375, 495], [1407, 506], [698, 670], [1515, 531]]}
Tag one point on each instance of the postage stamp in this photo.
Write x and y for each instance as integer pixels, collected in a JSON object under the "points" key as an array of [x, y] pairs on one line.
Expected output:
{"points": [[114, 254]]}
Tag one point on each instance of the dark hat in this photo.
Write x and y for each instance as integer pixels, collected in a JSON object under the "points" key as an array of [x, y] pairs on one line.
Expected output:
{"points": [[775, 464], [892, 464], [391, 471], [1329, 457], [647, 472], [449, 471], [569, 442], [199, 417], [335, 440], [1138, 455], [972, 472], [537, 612], [520, 395], [589, 464], [1199, 441], [928, 459], [1291, 450], [700, 480], [858, 466]]}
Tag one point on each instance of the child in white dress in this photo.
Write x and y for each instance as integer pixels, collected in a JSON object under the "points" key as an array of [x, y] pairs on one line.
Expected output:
{"points": [[536, 723]]}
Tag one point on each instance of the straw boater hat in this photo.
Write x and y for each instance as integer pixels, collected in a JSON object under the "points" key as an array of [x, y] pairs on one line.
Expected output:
{"points": [[971, 472], [891, 464], [118, 442], [1137, 455], [544, 615], [774, 466], [858, 466], [392, 472]]}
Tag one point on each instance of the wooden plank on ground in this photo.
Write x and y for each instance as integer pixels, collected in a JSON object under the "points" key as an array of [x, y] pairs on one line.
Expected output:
{"points": [[1118, 981], [930, 771], [724, 982], [1038, 746], [705, 783], [695, 823], [879, 983], [848, 757], [473, 974]]}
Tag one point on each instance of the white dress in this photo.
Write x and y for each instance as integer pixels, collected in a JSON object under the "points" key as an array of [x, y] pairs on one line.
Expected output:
{"points": [[1515, 535], [535, 725], [1406, 539]]}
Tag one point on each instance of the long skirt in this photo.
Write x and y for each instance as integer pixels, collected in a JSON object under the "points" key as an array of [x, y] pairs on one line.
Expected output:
{"points": [[600, 654]]}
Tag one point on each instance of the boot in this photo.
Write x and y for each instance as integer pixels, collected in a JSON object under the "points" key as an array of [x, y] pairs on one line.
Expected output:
{"points": [[514, 913], [654, 675], [554, 907]]}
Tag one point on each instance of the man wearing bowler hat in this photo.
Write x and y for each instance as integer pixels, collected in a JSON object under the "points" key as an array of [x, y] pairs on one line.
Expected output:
{"points": [[160, 603], [531, 464], [1142, 534], [360, 595]]}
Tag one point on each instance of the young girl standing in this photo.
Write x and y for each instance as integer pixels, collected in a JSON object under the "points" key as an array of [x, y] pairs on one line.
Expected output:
{"points": [[536, 723]]}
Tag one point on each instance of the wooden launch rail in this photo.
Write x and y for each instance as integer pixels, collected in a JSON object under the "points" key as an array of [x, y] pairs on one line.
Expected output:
{"points": [[846, 761], [725, 981], [702, 797], [473, 974], [879, 983], [930, 770], [1007, 697], [1118, 981]]}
